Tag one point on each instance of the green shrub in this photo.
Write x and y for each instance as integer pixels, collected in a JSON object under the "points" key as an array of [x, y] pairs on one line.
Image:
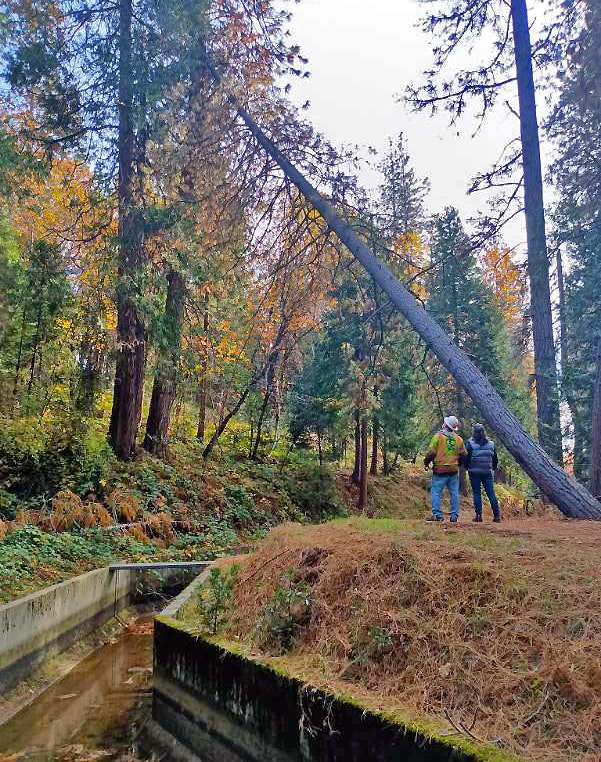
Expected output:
{"points": [[312, 490], [241, 506], [284, 616], [214, 598]]}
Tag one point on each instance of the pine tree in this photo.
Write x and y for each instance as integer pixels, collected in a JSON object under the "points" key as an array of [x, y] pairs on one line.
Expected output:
{"points": [[577, 173]]}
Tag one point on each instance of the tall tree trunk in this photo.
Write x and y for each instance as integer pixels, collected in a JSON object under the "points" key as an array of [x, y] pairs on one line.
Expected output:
{"points": [[202, 397], [362, 504], [20, 354], [385, 465], [373, 470], [36, 343], [357, 464], [164, 387], [251, 437], [595, 478], [255, 448], [566, 387], [547, 398], [129, 371], [90, 363], [572, 499], [271, 365]]}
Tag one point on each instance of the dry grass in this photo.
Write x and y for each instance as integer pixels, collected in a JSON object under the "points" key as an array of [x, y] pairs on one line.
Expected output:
{"points": [[406, 494], [495, 628]]}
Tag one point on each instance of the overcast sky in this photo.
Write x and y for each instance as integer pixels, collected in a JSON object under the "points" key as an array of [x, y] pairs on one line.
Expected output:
{"points": [[362, 55]]}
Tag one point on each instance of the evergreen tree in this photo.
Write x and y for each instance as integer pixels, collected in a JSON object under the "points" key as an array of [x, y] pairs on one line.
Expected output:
{"points": [[577, 173], [465, 305], [402, 193]]}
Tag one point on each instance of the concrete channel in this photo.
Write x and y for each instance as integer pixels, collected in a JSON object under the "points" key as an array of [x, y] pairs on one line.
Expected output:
{"points": [[38, 627], [209, 703]]}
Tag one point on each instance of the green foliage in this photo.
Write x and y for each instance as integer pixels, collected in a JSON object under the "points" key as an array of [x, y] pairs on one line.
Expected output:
{"points": [[465, 306], [40, 458], [311, 488], [30, 554], [284, 616], [370, 645], [241, 507], [214, 598]]}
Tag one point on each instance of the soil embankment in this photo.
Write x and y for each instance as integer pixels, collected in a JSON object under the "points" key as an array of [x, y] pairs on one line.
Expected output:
{"points": [[490, 631]]}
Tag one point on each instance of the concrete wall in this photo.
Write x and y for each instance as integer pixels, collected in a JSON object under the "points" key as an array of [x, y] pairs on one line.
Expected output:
{"points": [[214, 705], [39, 626]]}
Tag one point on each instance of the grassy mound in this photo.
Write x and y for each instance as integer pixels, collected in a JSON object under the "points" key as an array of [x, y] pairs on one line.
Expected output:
{"points": [[492, 632]]}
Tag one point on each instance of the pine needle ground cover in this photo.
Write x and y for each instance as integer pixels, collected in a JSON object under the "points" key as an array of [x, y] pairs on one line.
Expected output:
{"points": [[489, 632]]}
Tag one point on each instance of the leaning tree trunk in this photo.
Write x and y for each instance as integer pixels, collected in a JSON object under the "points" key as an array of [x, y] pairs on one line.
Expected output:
{"points": [[206, 453], [129, 371], [572, 499], [165, 379], [595, 478], [547, 398]]}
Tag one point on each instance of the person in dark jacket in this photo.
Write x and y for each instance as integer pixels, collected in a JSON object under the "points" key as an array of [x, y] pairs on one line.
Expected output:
{"points": [[481, 462]]}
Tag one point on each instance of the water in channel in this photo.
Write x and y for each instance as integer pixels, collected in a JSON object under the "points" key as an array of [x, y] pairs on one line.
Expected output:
{"points": [[94, 712]]}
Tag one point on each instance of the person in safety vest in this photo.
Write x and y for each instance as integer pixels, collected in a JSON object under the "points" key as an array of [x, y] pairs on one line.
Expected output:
{"points": [[481, 463], [447, 452]]}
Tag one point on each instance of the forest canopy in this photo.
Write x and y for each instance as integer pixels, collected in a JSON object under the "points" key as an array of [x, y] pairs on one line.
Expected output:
{"points": [[163, 281]]}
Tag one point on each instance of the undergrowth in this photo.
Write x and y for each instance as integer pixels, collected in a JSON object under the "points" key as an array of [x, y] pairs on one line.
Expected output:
{"points": [[66, 505]]}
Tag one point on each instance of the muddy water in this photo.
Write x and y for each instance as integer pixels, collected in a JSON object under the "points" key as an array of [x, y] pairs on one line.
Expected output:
{"points": [[94, 712]]}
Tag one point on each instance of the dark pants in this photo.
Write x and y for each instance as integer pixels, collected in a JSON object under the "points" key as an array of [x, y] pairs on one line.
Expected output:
{"points": [[487, 481]]}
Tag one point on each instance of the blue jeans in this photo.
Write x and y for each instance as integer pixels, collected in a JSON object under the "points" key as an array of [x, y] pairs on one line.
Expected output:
{"points": [[451, 482], [487, 481]]}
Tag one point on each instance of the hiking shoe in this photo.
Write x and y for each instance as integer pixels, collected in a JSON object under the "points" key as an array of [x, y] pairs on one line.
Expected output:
{"points": [[477, 519], [454, 520], [434, 519], [497, 520]]}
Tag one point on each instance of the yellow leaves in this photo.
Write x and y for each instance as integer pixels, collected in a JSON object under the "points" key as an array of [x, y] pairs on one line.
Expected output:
{"points": [[507, 281], [61, 209]]}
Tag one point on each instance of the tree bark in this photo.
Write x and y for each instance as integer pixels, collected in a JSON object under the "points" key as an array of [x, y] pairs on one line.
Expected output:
{"points": [[129, 371], [255, 448], [572, 499], [579, 458], [34, 351], [357, 464], [202, 398], [20, 353], [90, 363], [362, 503], [385, 466], [595, 478], [270, 369], [547, 397], [373, 470], [164, 387]]}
